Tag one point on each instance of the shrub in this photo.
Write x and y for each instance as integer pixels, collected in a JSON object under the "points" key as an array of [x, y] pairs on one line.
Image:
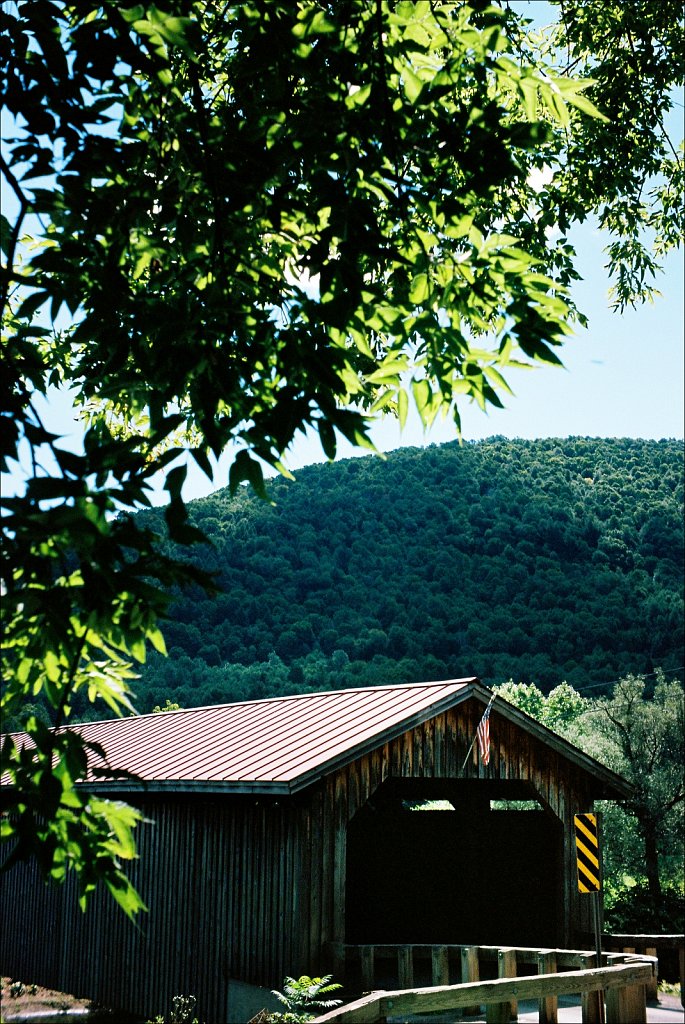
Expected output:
{"points": [[634, 911]]}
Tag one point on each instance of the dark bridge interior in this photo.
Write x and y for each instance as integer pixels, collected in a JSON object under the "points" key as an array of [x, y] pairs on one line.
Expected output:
{"points": [[472, 872]]}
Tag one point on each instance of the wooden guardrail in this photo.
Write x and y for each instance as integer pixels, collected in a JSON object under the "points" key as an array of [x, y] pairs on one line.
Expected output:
{"points": [[406, 961], [651, 945], [624, 982], [621, 982]]}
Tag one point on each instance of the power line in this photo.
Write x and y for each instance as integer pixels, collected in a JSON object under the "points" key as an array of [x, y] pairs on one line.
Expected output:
{"points": [[613, 682], [636, 675]]}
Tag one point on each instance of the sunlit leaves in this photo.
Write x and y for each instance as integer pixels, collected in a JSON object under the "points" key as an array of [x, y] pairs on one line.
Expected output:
{"points": [[60, 824]]}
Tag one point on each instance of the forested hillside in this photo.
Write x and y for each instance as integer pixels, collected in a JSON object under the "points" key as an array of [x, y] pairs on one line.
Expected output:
{"points": [[539, 561]]}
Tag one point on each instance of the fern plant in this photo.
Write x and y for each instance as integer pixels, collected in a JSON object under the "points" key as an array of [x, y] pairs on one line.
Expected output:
{"points": [[301, 996]]}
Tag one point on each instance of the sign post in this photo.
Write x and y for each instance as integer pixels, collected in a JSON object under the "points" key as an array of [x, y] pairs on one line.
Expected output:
{"points": [[590, 876]]}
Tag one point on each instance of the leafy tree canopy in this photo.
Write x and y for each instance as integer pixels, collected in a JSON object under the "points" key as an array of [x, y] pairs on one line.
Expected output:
{"points": [[251, 218]]}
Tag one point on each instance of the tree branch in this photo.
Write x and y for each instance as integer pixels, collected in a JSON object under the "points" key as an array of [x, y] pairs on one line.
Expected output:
{"points": [[14, 234]]}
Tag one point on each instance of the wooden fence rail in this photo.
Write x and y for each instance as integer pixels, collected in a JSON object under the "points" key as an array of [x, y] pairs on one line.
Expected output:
{"points": [[652, 945], [624, 984]]}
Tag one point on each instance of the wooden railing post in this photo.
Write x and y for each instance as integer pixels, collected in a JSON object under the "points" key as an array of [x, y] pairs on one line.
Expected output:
{"points": [[590, 1001], [440, 968], [502, 1013], [626, 1004], [652, 987], [366, 955], [548, 1006], [337, 950], [470, 971], [405, 966]]}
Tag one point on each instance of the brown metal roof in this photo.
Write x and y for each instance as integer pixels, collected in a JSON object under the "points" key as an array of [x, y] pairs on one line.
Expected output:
{"points": [[277, 745], [282, 744]]}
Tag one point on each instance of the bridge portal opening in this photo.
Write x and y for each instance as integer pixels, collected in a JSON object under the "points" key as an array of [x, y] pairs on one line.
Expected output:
{"points": [[439, 861]]}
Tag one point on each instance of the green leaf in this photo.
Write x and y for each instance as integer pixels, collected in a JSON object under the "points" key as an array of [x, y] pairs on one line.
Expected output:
{"points": [[202, 459], [327, 437], [156, 638], [174, 481], [402, 407], [413, 86], [125, 895], [246, 468], [419, 290], [5, 234]]}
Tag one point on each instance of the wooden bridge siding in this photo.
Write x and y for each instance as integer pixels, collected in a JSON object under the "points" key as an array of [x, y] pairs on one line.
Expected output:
{"points": [[225, 884]]}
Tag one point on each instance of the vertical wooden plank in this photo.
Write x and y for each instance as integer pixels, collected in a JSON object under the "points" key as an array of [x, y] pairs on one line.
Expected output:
{"points": [[407, 742], [439, 747], [405, 966], [440, 968], [304, 871], [470, 971], [315, 844], [524, 755], [214, 931], [626, 1004], [160, 908], [395, 759], [245, 895], [502, 748], [338, 960], [327, 853], [452, 764], [466, 735], [385, 762], [288, 897], [502, 1013], [569, 919], [419, 746], [652, 987], [231, 893], [367, 958], [149, 854], [265, 897], [277, 915], [429, 748], [364, 782], [548, 1006], [198, 920], [590, 1001], [374, 771], [353, 785], [339, 860], [188, 858]]}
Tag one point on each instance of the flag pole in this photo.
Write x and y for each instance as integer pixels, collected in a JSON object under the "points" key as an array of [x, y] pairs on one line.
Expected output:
{"points": [[476, 734]]}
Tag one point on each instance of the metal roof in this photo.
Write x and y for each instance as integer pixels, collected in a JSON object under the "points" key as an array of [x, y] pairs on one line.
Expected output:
{"points": [[281, 744], [276, 745]]}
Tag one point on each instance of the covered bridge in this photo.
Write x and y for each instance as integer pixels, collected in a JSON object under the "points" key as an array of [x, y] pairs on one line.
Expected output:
{"points": [[285, 832]]}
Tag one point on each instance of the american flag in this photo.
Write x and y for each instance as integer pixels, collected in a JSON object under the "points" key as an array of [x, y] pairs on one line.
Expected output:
{"points": [[483, 733]]}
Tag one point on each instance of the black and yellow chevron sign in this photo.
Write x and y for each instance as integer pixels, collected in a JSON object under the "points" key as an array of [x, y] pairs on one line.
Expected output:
{"points": [[587, 852]]}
